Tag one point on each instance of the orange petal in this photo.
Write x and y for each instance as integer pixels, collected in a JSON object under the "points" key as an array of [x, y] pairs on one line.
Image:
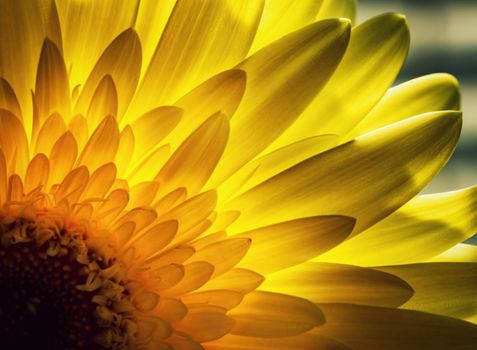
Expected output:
{"points": [[224, 255], [62, 157], [53, 128], [196, 274], [37, 173], [13, 142], [205, 326], [52, 89], [102, 145], [239, 280], [8, 99]]}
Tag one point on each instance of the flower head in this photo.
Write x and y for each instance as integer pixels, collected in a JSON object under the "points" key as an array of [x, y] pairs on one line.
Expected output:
{"points": [[224, 175]]}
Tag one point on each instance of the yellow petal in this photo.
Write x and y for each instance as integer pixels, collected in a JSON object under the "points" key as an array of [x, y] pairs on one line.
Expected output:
{"points": [[201, 38], [166, 276], [125, 150], [62, 157], [205, 326], [23, 27], [434, 92], [171, 310], [113, 205], [175, 255], [145, 301], [13, 142], [192, 212], [337, 8], [170, 200], [447, 289], [227, 299], [102, 145], [183, 343], [3, 177], [15, 192], [265, 314], [52, 89], [151, 128], [239, 280], [88, 27], [196, 231], [193, 162], [123, 233], [53, 128], [289, 243], [208, 239], [386, 167], [337, 283], [300, 342], [104, 102], [223, 92], [122, 61], [282, 17], [196, 274], [79, 128], [142, 217], [73, 185], [142, 194], [224, 255], [375, 328], [224, 219], [157, 237], [424, 227], [37, 173], [100, 182], [459, 253], [8, 99], [279, 90], [149, 166], [270, 164], [150, 328], [152, 17], [379, 44]]}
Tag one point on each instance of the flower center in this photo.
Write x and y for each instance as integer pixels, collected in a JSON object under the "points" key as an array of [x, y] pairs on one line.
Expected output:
{"points": [[55, 292]]}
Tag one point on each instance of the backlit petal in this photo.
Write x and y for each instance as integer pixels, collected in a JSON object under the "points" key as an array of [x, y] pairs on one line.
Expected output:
{"points": [[387, 167]]}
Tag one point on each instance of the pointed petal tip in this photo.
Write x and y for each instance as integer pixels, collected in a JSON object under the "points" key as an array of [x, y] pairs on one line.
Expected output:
{"points": [[132, 35], [399, 17], [400, 21], [240, 75], [453, 117], [344, 22], [48, 42], [348, 219], [396, 16]]}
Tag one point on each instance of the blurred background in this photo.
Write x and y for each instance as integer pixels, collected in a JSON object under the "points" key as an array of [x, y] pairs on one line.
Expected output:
{"points": [[443, 39]]}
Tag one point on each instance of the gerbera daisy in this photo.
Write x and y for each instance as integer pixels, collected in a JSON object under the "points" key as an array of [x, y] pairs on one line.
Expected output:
{"points": [[225, 175]]}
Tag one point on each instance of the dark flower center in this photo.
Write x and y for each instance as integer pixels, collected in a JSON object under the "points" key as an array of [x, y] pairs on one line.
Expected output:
{"points": [[40, 306], [53, 293]]}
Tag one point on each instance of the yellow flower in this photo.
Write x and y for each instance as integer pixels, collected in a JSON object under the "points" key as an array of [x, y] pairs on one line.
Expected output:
{"points": [[225, 175]]}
